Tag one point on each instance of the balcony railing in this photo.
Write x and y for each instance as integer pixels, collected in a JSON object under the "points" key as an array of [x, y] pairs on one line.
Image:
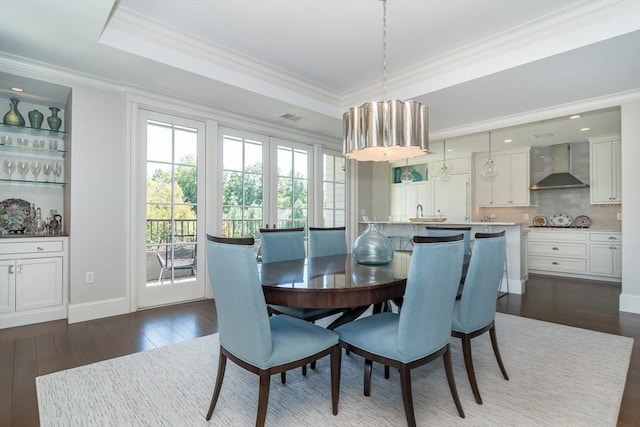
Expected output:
{"points": [[161, 231]]}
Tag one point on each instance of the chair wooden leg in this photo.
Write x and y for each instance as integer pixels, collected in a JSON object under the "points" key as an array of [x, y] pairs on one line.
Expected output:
{"points": [[263, 397], [494, 344], [468, 363], [336, 363], [222, 364], [283, 377], [448, 368], [304, 370], [312, 365], [386, 372], [407, 396], [368, 364]]}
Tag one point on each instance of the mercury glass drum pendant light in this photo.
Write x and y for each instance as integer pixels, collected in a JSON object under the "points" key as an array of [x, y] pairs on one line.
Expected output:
{"points": [[406, 176], [386, 130], [489, 168], [445, 173]]}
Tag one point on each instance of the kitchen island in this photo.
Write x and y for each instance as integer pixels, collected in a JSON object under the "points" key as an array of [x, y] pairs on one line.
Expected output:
{"points": [[513, 281]]}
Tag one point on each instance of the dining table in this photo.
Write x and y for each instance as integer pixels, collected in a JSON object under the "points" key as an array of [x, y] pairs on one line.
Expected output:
{"points": [[334, 282]]}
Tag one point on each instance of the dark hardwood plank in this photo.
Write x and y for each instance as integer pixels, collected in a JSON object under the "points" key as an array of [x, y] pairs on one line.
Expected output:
{"points": [[28, 351]]}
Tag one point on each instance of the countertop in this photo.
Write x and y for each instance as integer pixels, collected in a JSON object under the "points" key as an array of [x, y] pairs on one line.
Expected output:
{"points": [[477, 223]]}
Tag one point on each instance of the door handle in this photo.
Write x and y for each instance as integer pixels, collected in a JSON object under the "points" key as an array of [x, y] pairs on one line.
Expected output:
{"points": [[11, 269], [555, 263], [555, 248]]}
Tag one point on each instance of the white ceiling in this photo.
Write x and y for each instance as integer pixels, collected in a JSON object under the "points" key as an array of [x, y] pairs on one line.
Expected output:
{"points": [[470, 61]]}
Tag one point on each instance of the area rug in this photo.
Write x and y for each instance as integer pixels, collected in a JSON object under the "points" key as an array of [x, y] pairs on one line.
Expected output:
{"points": [[559, 376]]}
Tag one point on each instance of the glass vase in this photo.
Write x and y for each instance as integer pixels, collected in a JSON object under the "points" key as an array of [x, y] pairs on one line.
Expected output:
{"points": [[372, 247], [53, 120], [13, 116]]}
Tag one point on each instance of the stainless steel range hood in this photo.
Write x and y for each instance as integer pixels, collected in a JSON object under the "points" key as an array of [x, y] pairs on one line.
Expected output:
{"points": [[561, 173]]}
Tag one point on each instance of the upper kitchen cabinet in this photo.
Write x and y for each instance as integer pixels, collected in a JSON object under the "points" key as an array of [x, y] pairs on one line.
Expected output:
{"points": [[510, 185], [606, 176]]}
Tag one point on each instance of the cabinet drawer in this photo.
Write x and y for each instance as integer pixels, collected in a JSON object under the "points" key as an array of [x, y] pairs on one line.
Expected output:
{"points": [[573, 236], [606, 237], [557, 249], [568, 265], [41, 246]]}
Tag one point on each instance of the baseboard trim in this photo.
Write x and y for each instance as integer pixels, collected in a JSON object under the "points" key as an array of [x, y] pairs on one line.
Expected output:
{"points": [[98, 309], [630, 303], [27, 317]]}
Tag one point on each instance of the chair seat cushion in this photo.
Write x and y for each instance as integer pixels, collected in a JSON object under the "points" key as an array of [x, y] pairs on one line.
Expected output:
{"points": [[301, 313], [293, 339], [377, 334]]}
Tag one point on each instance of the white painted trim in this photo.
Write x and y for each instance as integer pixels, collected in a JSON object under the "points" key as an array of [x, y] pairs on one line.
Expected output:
{"points": [[27, 317], [587, 276], [630, 303], [98, 309]]}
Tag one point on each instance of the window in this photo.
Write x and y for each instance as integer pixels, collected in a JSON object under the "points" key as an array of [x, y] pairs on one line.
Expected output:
{"points": [[333, 190]]}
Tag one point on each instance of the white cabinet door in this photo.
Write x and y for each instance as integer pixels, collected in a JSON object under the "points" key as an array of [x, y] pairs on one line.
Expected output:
{"points": [[484, 185], [451, 198], [519, 171], [397, 209], [511, 183], [605, 172], [38, 283], [7, 286], [417, 193], [605, 259]]}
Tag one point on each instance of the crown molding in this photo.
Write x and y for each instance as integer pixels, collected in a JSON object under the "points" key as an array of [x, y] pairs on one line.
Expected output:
{"points": [[551, 112], [575, 26], [137, 34]]}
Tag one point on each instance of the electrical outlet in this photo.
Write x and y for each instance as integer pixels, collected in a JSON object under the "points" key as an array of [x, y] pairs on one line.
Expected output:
{"points": [[526, 216], [89, 277]]}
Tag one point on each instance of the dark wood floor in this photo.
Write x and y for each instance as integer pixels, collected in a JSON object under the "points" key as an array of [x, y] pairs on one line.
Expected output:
{"points": [[29, 351]]}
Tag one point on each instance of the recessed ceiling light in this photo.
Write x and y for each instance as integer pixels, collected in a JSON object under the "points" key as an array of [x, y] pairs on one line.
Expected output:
{"points": [[575, 116], [449, 150], [542, 135], [508, 140], [584, 129], [17, 89]]}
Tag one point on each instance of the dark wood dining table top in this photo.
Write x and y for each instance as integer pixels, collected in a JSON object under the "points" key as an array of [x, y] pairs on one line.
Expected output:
{"points": [[331, 282]]}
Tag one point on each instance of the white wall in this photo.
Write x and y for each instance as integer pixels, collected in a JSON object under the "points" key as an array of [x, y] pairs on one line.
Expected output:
{"points": [[630, 124], [98, 203]]}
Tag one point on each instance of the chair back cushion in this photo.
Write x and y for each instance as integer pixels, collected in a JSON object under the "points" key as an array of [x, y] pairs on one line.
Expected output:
{"points": [[477, 305], [452, 231], [282, 244], [243, 321], [327, 241], [434, 274]]}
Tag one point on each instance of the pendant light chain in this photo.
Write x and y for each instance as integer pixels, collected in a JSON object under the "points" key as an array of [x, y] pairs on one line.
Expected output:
{"points": [[384, 50]]}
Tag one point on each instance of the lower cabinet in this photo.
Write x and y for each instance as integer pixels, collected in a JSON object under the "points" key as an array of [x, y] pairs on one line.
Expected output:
{"points": [[605, 254], [576, 253], [32, 280]]}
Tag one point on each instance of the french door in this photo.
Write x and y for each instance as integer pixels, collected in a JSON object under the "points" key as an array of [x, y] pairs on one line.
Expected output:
{"points": [[265, 183], [171, 149]]}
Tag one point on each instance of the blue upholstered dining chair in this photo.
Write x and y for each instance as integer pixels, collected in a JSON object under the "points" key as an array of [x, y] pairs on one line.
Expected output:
{"points": [[251, 338], [475, 311], [282, 244], [437, 231], [327, 241], [287, 244], [421, 332]]}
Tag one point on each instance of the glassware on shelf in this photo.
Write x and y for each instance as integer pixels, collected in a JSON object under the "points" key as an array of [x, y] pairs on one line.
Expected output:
{"points": [[57, 170], [53, 145], [9, 167], [23, 169], [47, 168], [36, 167], [6, 140], [38, 144], [22, 142]]}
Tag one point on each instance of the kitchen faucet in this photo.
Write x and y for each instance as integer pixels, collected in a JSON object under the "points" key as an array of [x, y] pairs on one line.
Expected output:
{"points": [[419, 209]]}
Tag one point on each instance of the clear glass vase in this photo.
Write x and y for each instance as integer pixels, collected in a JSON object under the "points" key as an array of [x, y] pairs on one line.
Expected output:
{"points": [[372, 247]]}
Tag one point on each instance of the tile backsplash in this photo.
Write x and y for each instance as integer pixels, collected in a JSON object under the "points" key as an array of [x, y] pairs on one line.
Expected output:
{"points": [[572, 201]]}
